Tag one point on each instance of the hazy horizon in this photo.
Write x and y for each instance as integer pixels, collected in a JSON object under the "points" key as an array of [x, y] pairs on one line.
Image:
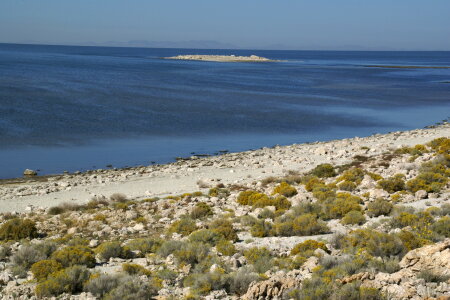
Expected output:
{"points": [[402, 25], [131, 44]]}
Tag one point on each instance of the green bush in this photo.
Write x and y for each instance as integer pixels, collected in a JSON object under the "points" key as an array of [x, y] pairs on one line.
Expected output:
{"points": [[108, 250], [308, 246], [145, 245], [17, 229], [379, 207], [254, 254], [415, 151], [77, 241], [387, 265], [249, 197], [440, 145], [226, 247], [43, 268], [261, 229], [307, 224], [219, 192], [314, 288], [184, 226], [393, 184], [445, 209], [353, 217], [317, 288], [206, 282], [433, 175], [206, 236], [430, 182], [324, 193], [5, 251], [102, 284], [347, 185], [430, 276], [170, 247], [260, 258], [201, 210], [46, 247], [118, 197], [225, 228], [266, 214], [213, 192], [404, 219], [439, 165], [191, 253], [323, 170], [166, 274], [411, 240], [257, 199], [419, 220], [442, 226], [354, 175], [356, 292], [343, 204], [68, 280], [240, 280], [375, 176], [26, 256], [281, 203], [135, 269], [247, 220], [312, 182], [285, 189], [375, 243], [75, 255], [56, 210], [132, 288]]}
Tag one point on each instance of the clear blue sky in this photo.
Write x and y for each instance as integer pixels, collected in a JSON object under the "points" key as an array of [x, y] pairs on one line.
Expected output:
{"points": [[312, 24]]}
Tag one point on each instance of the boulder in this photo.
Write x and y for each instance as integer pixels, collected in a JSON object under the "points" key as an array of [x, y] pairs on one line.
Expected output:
{"points": [[405, 284], [435, 258], [421, 194], [276, 285], [29, 172]]}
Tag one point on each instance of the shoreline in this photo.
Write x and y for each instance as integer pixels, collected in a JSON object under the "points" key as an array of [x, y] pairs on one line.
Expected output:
{"points": [[198, 173]]}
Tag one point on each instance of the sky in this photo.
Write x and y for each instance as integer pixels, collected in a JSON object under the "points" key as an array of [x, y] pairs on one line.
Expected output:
{"points": [[277, 24]]}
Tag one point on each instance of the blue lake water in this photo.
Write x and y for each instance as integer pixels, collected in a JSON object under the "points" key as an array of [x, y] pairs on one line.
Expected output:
{"points": [[79, 108]]}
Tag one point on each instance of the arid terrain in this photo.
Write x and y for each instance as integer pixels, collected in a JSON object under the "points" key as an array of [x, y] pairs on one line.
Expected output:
{"points": [[360, 218]]}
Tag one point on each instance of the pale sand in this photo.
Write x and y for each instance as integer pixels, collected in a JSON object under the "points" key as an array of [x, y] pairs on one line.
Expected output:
{"points": [[242, 168]]}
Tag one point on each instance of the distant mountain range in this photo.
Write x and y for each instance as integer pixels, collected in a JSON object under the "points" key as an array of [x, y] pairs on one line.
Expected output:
{"points": [[197, 44], [210, 44]]}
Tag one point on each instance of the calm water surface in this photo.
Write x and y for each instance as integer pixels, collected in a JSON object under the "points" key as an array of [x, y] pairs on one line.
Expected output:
{"points": [[78, 108]]}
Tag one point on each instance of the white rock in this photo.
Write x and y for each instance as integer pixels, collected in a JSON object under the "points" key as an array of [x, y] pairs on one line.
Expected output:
{"points": [[139, 227], [5, 277], [93, 243], [378, 193], [72, 230], [421, 194]]}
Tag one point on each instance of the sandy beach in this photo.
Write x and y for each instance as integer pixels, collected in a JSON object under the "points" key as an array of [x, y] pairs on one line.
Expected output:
{"points": [[199, 173]]}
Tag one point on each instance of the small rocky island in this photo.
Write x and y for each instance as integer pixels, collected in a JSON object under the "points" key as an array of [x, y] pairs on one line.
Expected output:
{"points": [[223, 58]]}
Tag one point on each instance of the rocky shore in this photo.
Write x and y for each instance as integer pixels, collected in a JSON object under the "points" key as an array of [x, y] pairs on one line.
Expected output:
{"points": [[360, 218], [183, 176], [222, 58]]}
